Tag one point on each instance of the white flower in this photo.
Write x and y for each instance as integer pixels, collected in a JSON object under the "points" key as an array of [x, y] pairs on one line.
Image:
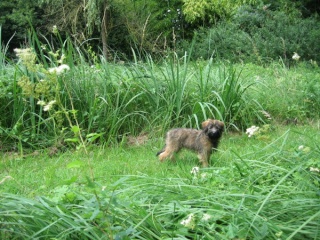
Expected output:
{"points": [[59, 70], [189, 221], [49, 105], [204, 175], [21, 52], [295, 56], [63, 57], [304, 149], [46, 108], [41, 103], [55, 29], [194, 170], [26, 55], [52, 70], [312, 169], [252, 131], [206, 217], [266, 114]]}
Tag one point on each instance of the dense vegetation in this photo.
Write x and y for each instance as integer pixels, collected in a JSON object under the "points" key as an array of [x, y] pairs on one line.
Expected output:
{"points": [[87, 91], [264, 30], [78, 102]]}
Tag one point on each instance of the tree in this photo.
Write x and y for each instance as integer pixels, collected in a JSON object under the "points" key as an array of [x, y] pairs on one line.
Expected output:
{"points": [[15, 17], [211, 10], [141, 24], [81, 18]]}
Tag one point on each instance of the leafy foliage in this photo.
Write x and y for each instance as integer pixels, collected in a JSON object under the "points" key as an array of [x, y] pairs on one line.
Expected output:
{"points": [[262, 36], [15, 17], [210, 11]]}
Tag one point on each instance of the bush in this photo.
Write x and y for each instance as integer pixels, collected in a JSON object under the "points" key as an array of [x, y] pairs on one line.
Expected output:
{"points": [[260, 36]]}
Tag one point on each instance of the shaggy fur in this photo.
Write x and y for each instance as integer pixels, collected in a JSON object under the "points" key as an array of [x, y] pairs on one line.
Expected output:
{"points": [[201, 141]]}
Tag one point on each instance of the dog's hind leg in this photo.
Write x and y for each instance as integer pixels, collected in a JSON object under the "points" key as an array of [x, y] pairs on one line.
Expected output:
{"points": [[165, 154], [161, 151]]}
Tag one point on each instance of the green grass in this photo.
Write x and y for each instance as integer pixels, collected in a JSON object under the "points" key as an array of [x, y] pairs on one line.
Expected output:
{"points": [[259, 187], [107, 101], [38, 171]]}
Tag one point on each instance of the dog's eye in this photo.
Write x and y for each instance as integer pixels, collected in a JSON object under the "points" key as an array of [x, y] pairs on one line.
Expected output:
{"points": [[217, 127]]}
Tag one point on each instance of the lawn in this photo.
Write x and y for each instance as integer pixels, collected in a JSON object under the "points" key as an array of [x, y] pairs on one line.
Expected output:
{"points": [[262, 187]]}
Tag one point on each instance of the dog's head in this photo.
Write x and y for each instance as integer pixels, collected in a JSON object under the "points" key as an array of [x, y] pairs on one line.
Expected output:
{"points": [[213, 128]]}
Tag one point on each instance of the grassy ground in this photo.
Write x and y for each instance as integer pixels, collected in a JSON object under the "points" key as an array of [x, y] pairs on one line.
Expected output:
{"points": [[264, 187], [38, 173]]}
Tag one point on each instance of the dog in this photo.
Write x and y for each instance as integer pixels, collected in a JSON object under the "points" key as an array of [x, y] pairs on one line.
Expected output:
{"points": [[204, 141]]}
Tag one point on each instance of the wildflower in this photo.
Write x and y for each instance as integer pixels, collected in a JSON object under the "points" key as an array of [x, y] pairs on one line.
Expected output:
{"points": [[314, 63], [266, 114], [55, 30], [62, 58], [59, 70], [265, 7], [206, 217], [189, 222], [27, 57], [41, 103], [49, 105], [313, 169], [295, 56], [252, 131], [204, 175], [194, 170], [25, 54], [304, 149]]}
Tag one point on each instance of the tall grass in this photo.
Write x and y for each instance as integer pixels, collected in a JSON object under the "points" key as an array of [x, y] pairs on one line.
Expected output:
{"points": [[108, 101]]}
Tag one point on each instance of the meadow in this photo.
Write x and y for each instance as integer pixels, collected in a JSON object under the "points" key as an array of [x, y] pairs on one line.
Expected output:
{"points": [[262, 187], [79, 137]]}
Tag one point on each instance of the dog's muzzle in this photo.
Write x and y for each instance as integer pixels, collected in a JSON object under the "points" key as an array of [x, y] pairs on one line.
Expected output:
{"points": [[214, 133]]}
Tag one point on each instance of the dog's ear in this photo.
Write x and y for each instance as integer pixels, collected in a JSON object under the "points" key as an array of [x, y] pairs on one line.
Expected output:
{"points": [[219, 123], [205, 124]]}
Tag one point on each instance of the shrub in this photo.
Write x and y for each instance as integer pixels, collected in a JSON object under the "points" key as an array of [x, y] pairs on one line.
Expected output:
{"points": [[260, 36]]}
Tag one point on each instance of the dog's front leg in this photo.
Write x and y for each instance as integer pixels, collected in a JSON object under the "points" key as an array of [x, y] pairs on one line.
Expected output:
{"points": [[204, 159]]}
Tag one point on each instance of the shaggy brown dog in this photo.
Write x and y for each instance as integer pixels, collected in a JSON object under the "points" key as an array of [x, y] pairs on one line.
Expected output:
{"points": [[201, 141]]}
